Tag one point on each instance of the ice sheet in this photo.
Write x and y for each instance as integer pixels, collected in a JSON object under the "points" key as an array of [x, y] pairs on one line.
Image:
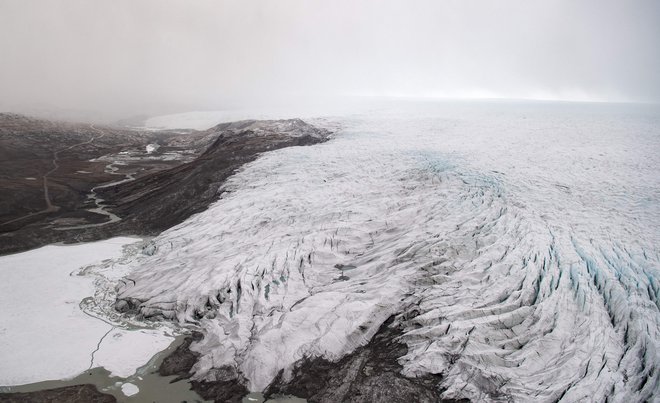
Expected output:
{"points": [[518, 244]]}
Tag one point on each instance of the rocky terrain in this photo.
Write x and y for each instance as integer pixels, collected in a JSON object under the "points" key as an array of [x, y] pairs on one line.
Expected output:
{"points": [[155, 202], [369, 374], [69, 394], [65, 182]]}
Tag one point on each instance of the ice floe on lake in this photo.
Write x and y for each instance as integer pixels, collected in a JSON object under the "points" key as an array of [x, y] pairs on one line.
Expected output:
{"points": [[129, 389]]}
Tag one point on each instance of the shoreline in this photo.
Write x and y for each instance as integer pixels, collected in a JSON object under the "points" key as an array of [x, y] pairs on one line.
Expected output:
{"points": [[151, 386]]}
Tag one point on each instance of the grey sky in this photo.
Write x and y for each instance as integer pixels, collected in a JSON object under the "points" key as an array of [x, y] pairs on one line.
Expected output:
{"points": [[137, 55]]}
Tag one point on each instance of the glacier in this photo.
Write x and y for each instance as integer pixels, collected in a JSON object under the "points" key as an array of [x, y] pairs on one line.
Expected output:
{"points": [[517, 244]]}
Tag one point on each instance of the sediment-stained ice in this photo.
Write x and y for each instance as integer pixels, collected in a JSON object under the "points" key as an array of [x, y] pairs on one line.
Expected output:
{"points": [[517, 244]]}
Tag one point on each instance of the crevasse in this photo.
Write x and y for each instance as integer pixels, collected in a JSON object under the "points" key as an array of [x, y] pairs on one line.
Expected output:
{"points": [[516, 244]]}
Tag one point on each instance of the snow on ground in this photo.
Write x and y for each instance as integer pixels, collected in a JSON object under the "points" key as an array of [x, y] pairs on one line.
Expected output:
{"points": [[517, 242], [44, 334]]}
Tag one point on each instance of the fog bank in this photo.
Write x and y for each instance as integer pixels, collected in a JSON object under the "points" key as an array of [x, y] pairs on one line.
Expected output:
{"points": [[153, 56]]}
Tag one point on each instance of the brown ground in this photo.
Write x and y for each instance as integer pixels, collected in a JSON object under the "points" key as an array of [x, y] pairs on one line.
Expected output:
{"points": [[181, 361], [69, 394], [371, 373], [47, 170]]}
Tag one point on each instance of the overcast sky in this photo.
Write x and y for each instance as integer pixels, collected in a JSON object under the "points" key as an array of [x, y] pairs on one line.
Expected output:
{"points": [[141, 55]]}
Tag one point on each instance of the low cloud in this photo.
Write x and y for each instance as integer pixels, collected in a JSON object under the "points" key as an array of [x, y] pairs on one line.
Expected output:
{"points": [[129, 57]]}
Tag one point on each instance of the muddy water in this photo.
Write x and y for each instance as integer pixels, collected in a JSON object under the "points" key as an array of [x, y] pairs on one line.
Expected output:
{"points": [[150, 386]]}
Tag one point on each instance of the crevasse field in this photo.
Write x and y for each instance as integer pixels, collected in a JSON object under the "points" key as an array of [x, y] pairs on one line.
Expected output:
{"points": [[517, 243]]}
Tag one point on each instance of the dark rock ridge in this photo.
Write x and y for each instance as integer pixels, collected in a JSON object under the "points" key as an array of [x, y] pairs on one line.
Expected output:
{"points": [[180, 178], [369, 374], [181, 361], [69, 394], [161, 200]]}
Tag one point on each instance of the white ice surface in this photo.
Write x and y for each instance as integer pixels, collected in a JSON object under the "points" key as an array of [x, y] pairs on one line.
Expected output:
{"points": [[45, 335], [123, 351], [129, 389], [518, 244]]}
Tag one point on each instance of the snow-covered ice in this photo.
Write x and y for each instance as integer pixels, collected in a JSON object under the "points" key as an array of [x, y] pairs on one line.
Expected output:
{"points": [[516, 242], [45, 335]]}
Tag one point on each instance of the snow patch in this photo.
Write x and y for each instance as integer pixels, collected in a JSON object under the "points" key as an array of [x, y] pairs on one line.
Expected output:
{"points": [[150, 148]]}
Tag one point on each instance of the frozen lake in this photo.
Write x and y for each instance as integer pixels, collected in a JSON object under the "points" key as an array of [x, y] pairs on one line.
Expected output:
{"points": [[46, 335], [518, 243]]}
